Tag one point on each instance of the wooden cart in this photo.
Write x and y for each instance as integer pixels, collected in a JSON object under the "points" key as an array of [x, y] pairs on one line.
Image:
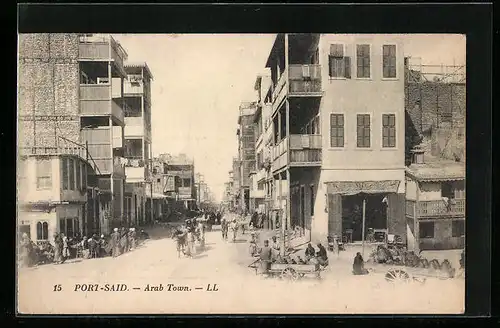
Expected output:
{"points": [[402, 274], [289, 271]]}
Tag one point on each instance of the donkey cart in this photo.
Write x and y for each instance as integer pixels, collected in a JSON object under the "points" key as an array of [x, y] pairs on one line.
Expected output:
{"points": [[288, 271]]}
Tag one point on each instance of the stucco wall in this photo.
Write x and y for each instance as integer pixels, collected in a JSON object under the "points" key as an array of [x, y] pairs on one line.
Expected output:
{"points": [[374, 96]]}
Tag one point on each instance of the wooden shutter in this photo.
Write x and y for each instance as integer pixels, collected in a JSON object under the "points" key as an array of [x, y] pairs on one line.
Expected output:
{"points": [[347, 67], [335, 215], [330, 65]]}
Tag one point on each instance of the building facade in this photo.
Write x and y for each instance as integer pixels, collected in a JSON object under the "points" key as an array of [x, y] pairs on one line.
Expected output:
{"points": [[70, 88], [138, 140], [338, 133], [435, 203], [246, 151]]}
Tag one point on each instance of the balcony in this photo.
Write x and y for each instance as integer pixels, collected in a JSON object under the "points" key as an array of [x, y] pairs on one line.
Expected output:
{"points": [[102, 47], [96, 100], [305, 150], [257, 194], [135, 174], [111, 165], [436, 208], [298, 81], [134, 127], [133, 86]]}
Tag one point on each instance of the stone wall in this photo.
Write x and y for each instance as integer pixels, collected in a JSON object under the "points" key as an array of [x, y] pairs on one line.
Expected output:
{"points": [[48, 89]]}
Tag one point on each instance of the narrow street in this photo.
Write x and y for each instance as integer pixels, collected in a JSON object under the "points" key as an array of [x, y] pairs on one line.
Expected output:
{"points": [[240, 290]]}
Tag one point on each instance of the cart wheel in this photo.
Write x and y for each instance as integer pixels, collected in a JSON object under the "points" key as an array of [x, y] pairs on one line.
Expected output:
{"points": [[301, 275], [289, 273], [397, 276]]}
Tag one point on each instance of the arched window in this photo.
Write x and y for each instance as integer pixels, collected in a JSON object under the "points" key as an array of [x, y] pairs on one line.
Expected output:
{"points": [[42, 231]]}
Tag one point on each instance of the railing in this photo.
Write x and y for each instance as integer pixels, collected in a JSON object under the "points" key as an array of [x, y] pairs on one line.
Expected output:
{"points": [[117, 111], [134, 126], [280, 91], [304, 79], [41, 150], [95, 91], [129, 88], [119, 165], [135, 173], [436, 208], [305, 156], [280, 149], [305, 141], [101, 46]]}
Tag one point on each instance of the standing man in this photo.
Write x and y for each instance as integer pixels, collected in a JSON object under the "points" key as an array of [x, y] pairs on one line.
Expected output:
{"points": [[265, 255], [115, 243], [234, 227]]}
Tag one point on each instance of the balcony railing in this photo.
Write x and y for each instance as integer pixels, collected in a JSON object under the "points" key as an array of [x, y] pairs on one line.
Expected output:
{"points": [[78, 151], [101, 46], [436, 208], [305, 157], [95, 100], [134, 127], [304, 79], [305, 141], [130, 88]]}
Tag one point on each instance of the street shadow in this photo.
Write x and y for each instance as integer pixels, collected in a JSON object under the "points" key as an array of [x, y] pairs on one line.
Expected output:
{"points": [[199, 256], [204, 249], [239, 241]]}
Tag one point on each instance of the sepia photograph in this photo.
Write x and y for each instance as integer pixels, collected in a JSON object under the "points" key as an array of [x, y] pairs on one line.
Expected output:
{"points": [[241, 173]]}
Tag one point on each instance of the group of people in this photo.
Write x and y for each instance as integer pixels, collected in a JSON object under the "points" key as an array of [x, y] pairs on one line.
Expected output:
{"points": [[122, 241], [186, 235]]}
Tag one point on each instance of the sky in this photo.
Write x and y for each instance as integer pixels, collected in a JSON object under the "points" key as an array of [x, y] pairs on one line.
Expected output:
{"points": [[199, 81]]}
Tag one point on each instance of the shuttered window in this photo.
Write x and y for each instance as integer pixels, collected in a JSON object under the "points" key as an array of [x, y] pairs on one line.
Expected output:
{"points": [[363, 131], [389, 61], [44, 174], [388, 130], [338, 65], [337, 130], [363, 60]]}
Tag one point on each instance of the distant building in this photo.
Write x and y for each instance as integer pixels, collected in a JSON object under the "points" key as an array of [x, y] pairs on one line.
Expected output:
{"points": [[246, 150], [435, 203]]}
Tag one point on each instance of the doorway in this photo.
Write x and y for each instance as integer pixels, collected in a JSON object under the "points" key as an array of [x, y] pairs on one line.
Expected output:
{"points": [[302, 197], [352, 214]]}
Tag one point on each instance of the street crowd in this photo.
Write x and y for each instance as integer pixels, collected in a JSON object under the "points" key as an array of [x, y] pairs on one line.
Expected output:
{"points": [[64, 248]]}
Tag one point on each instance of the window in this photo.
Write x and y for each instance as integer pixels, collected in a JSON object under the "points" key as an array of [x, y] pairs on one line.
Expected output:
{"points": [[388, 130], [337, 130], [389, 61], [67, 226], [426, 229], [338, 65], [43, 174], [458, 228], [158, 180], [78, 176], [312, 199], [447, 190], [42, 231], [363, 131], [363, 60], [71, 170], [186, 182]]}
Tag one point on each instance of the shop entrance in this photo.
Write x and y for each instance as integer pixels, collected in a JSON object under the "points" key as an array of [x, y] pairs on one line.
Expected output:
{"points": [[352, 214]]}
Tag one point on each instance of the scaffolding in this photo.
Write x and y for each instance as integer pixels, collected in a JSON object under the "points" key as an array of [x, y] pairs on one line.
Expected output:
{"points": [[418, 72]]}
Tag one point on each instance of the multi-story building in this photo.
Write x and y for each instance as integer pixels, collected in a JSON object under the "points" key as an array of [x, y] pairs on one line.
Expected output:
{"points": [[246, 150], [70, 88], [236, 179], [435, 203], [176, 181], [338, 132], [260, 176], [138, 140]]}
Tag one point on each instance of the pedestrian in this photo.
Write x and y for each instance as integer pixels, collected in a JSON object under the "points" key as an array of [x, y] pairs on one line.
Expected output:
{"points": [[115, 242], [224, 226], [65, 248], [25, 253], [234, 228], [58, 248], [310, 252], [321, 255], [93, 246], [265, 255], [275, 245], [124, 240], [133, 236], [358, 266]]}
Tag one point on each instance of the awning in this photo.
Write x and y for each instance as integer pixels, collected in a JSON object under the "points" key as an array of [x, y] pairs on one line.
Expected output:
{"points": [[367, 187]]}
